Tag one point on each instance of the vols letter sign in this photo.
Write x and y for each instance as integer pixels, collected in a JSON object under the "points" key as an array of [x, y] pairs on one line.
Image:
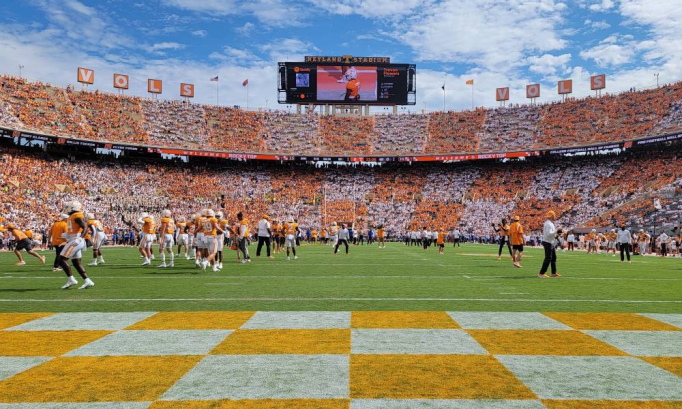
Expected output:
{"points": [[154, 86], [565, 87], [533, 91], [598, 82], [187, 90], [121, 81], [86, 76], [502, 94]]}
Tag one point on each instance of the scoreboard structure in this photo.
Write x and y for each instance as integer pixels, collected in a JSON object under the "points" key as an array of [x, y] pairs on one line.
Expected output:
{"points": [[347, 81]]}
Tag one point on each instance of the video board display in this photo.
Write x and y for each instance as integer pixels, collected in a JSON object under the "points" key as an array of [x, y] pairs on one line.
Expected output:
{"points": [[378, 84]]}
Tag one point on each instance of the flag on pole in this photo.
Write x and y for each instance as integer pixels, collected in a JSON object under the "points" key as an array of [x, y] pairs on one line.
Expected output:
{"points": [[214, 78], [245, 83], [443, 87], [470, 82]]}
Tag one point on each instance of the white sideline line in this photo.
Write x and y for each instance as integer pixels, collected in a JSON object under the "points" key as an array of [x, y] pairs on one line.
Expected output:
{"points": [[445, 277], [343, 299]]}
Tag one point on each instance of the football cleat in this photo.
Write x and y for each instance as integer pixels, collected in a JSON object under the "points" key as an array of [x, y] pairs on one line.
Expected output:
{"points": [[70, 282], [87, 284]]}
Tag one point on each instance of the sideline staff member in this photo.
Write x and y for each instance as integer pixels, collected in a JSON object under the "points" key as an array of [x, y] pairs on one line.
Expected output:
{"points": [[548, 237]]}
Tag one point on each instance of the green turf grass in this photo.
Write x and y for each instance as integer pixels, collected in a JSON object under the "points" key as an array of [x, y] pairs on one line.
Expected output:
{"points": [[394, 278]]}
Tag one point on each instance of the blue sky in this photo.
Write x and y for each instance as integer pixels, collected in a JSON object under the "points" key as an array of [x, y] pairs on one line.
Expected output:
{"points": [[498, 43]]}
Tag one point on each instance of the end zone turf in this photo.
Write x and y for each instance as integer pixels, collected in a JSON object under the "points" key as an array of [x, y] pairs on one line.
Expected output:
{"points": [[359, 360]]}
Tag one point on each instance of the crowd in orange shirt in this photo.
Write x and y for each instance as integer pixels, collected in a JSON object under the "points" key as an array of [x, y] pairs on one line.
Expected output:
{"points": [[469, 196], [175, 124]]}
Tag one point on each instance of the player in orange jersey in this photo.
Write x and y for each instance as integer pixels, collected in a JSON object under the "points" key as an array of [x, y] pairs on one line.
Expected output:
{"points": [[76, 229], [96, 232], [166, 230], [211, 230], [244, 237], [147, 237], [352, 84], [23, 243], [334, 234], [291, 231], [503, 230], [57, 239], [276, 228], [224, 225], [199, 235], [182, 238], [380, 237], [440, 241], [517, 241], [191, 237]]}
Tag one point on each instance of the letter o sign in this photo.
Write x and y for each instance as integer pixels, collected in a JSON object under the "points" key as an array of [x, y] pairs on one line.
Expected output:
{"points": [[533, 91], [121, 81]]}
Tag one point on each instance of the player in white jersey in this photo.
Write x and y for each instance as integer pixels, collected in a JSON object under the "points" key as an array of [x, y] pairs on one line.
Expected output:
{"points": [[96, 232]]}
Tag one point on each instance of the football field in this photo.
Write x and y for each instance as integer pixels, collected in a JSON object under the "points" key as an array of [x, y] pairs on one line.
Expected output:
{"points": [[467, 278], [394, 328]]}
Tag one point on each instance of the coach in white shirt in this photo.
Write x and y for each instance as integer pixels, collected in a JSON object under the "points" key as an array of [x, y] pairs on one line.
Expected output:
{"points": [[548, 241], [624, 238], [344, 236], [264, 234]]}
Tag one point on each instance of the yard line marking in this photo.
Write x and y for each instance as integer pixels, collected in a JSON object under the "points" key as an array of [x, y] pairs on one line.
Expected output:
{"points": [[549, 300], [514, 293]]}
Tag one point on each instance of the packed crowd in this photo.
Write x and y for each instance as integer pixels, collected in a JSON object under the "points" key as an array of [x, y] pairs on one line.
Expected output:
{"points": [[589, 191], [118, 118]]}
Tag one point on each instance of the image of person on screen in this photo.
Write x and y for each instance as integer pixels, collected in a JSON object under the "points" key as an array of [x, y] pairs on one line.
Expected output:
{"points": [[352, 84]]}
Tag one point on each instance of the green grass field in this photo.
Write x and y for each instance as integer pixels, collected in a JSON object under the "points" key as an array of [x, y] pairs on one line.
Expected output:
{"points": [[395, 278]]}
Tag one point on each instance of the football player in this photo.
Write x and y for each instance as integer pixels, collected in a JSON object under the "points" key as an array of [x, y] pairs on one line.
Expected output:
{"points": [[76, 229]]}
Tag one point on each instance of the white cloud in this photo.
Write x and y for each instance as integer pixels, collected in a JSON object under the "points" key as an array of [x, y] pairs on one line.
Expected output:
{"points": [[598, 25], [236, 56], [276, 13], [246, 29], [288, 49], [166, 46], [608, 54], [496, 35], [549, 64], [604, 5], [200, 33], [371, 8], [82, 25]]}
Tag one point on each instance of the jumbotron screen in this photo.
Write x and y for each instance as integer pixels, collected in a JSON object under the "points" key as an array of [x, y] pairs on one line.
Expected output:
{"points": [[378, 84]]}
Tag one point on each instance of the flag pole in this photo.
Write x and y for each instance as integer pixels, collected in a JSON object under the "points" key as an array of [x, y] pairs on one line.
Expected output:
{"points": [[217, 92], [443, 97], [472, 96], [247, 96]]}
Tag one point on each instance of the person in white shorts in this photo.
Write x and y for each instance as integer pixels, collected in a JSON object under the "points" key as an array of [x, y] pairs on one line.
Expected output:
{"points": [[199, 241], [291, 230], [211, 230], [182, 236], [147, 238], [335, 234], [75, 234], [97, 233], [166, 231]]}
